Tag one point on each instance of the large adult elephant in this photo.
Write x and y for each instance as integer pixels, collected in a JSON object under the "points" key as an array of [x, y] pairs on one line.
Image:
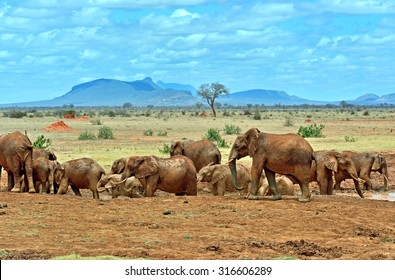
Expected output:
{"points": [[287, 154], [200, 152], [220, 177], [174, 175], [16, 154], [364, 163], [80, 173], [328, 161]]}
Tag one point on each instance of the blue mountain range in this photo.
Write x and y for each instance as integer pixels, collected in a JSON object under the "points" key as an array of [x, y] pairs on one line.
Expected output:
{"points": [[110, 92]]}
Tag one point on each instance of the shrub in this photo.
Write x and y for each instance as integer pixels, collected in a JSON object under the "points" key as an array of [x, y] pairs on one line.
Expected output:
{"points": [[257, 115], [148, 132], [105, 132], [165, 149], [87, 136], [42, 142], [349, 139], [213, 135], [15, 114], [232, 129], [96, 122], [288, 121], [311, 131], [162, 133]]}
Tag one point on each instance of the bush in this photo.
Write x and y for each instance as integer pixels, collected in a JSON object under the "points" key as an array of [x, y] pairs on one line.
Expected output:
{"points": [[87, 136], [165, 149], [311, 131], [350, 139], [15, 114], [288, 122], [257, 115], [232, 129], [96, 122], [105, 132], [213, 135], [148, 132], [42, 142], [162, 133]]}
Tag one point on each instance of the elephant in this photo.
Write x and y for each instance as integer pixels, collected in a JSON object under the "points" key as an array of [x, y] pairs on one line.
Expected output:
{"points": [[16, 156], [113, 184], [364, 163], [79, 174], [284, 184], [174, 175], [43, 153], [118, 166], [200, 152], [287, 154], [327, 162], [220, 178], [43, 171]]}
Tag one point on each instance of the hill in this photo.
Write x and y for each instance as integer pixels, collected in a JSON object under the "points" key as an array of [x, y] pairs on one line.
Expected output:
{"points": [[111, 92]]}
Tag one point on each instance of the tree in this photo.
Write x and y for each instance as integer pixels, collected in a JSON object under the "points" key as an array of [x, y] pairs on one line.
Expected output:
{"points": [[211, 92]]}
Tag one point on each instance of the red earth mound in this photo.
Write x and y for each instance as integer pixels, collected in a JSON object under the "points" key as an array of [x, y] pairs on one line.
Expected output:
{"points": [[69, 116], [60, 125]]}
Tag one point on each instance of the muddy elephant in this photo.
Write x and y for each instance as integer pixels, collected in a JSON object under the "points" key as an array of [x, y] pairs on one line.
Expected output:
{"points": [[200, 152], [43, 173], [174, 175], [43, 153], [118, 166], [113, 184], [329, 162], [220, 177], [364, 163], [16, 156], [79, 174], [284, 184], [287, 154]]}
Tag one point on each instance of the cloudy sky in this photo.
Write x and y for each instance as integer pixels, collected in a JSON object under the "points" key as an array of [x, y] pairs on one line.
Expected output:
{"points": [[322, 49]]}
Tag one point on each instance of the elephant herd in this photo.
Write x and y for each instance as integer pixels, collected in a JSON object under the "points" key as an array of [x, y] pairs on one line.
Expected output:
{"points": [[190, 162]]}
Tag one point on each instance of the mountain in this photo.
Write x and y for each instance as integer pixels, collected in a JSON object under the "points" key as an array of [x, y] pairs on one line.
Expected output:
{"points": [[176, 86], [110, 92]]}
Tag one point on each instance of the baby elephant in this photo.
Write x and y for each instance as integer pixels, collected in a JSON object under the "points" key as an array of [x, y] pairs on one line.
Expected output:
{"points": [[220, 177], [79, 174], [130, 187], [284, 184]]}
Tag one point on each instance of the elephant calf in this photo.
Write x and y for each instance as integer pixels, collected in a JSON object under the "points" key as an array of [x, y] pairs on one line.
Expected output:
{"points": [[130, 187], [220, 177], [284, 184], [79, 174]]}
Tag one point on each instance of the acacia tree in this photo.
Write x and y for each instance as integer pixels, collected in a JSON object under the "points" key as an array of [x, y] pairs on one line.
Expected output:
{"points": [[211, 92]]}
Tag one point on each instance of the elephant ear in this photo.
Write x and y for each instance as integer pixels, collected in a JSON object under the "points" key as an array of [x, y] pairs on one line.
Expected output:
{"points": [[218, 173], [377, 163], [146, 167], [177, 148], [331, 163], [252, 137]]}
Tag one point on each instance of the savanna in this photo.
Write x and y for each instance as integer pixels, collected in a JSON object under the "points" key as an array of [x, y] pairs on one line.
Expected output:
{"points": [[340, 226]]}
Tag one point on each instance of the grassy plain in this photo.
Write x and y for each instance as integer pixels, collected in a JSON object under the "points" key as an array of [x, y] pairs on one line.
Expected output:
{"points": [[371, 129]]}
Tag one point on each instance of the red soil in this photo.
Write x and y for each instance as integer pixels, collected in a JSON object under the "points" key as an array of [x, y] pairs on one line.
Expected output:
{"points": [[60, 125]]}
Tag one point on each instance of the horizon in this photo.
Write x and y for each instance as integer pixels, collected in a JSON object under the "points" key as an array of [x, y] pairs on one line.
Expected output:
{"points": [[317, 50]]}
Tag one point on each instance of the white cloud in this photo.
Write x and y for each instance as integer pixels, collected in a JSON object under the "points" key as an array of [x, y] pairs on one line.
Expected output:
{"points": [[359, 7], [184, 13], [89, 54]]}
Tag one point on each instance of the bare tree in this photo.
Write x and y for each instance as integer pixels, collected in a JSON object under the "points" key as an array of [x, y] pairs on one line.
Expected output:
{"points": [[211, 92]]}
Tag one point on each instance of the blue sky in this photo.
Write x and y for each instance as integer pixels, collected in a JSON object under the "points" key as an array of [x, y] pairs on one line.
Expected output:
{"points": [[320, 50]]}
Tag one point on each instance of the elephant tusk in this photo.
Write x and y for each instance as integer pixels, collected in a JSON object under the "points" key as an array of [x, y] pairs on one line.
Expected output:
{"points": [[361, 181], [385, 177]]}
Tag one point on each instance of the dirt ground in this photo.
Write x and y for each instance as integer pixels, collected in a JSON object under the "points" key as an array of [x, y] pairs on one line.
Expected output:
{"points": [[341, 226]]}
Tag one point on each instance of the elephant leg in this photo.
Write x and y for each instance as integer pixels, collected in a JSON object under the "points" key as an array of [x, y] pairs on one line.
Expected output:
{"points": [[151, 185], [95, 194], [358, 188], [215, 188], [256, 172], [221, 188], [330, 186], [10, 181], [16, 182], [76, 191], [271, 179]]}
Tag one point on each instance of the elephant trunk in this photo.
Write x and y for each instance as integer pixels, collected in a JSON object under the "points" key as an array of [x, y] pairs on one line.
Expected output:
{"points": [[385, 176], [232, 166]]}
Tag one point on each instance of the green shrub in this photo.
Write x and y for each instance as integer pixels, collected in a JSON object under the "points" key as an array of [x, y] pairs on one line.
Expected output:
{"points": [[105, 132], [213, 135], [311, 131], [232, 129], [288, 121], [349, 139], [42, 142], [15, 114], [165, 149], [96, 122], [87, 136], [162, 133], [148, 132], [257, 115]]}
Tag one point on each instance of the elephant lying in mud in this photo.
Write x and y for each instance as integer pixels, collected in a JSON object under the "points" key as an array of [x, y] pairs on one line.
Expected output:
{"points": [[284, 184], [130, 187], [220, 177], [79, 174], [364, 163], [174, 175]]}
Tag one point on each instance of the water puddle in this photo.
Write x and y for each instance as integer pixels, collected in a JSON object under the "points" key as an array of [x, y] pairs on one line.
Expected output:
{"points": [[389, 196]]}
